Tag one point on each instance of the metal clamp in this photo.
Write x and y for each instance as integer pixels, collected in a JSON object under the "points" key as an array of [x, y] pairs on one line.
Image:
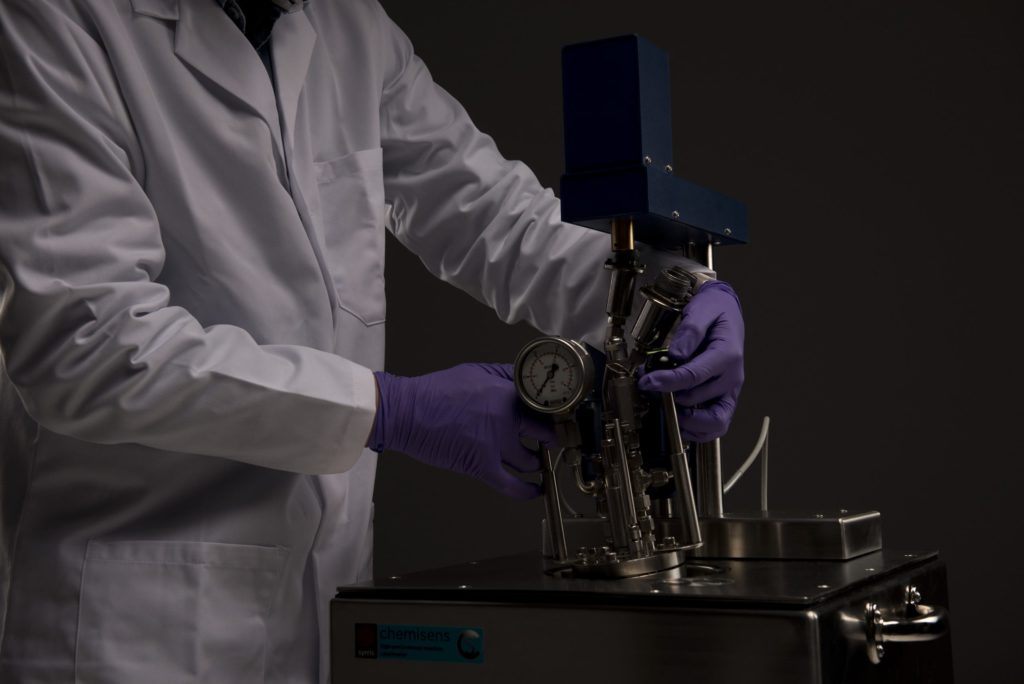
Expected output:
{"points": [[920, 623]]}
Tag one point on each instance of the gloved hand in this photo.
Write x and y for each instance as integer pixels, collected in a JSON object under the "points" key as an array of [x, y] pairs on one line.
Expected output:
{"points": [[467, 419], [709, 344]]}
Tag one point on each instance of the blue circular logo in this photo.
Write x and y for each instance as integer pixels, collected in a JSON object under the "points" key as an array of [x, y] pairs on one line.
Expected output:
{"points": [[468, 644]]}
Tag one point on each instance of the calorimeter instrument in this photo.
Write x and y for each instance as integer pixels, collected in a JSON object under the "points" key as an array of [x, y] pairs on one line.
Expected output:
{"points": [[653, 577]]}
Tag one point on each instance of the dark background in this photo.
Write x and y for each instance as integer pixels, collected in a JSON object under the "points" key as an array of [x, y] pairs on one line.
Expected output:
{"points": [[878, 146]]}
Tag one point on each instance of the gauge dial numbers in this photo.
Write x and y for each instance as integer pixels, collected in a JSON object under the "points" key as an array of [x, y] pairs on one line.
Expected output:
{"points": [[553, 374]]}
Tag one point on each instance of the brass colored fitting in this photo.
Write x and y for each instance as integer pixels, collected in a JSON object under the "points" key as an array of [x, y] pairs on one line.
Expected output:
{"points": [[622, 235]]}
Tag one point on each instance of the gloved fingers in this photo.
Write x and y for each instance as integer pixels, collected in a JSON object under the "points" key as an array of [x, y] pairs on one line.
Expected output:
{"points": [[719, 360], [685, 377], [536, 426], [710, 391], [518, 457], [712, 313], [515, 422], [510, 485], [692, 330], [707, 423], [669, 380]]}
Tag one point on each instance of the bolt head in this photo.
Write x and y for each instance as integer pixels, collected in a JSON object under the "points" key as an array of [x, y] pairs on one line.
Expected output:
{"points": [[675, 214], [668, 168], [647, 160], [728, 231]]}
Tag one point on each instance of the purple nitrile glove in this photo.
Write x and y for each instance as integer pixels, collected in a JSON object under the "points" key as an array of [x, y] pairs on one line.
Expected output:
{"points": [[467, 419], [709, 344]]}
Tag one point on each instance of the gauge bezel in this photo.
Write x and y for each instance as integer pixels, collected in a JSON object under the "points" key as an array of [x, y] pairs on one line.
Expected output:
{"points": [[577, 353]]}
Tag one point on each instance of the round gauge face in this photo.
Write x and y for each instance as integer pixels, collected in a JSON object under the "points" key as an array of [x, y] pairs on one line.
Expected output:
{"points": [[552, 375]]}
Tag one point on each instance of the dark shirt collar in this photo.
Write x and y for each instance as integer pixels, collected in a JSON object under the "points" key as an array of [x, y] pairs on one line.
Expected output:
{"points": [[288, 6], [256, 18]]}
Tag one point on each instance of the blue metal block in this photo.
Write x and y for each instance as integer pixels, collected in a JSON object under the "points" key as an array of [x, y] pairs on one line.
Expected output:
{"points": [[617, 102], [618, 150], [667, 211]]}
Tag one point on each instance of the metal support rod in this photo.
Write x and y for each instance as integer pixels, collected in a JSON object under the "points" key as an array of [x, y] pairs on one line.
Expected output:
{"points": [[628, 500], [613, 493], [685, 504], [709, 479], [764, 475], [709, 454], [553, 505]]}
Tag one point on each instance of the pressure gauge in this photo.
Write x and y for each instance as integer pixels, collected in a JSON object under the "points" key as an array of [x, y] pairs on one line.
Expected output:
{"points": [[553, 374]]}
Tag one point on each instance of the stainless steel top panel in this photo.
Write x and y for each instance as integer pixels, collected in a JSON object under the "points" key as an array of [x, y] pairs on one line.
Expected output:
{"points": [[528, 579]]}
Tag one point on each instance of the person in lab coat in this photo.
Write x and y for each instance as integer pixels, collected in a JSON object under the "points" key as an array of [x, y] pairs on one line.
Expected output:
{"points": [[192, 314]]}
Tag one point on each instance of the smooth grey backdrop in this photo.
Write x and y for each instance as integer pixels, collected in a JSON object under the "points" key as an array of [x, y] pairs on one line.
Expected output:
{"points": [[878, 146]]}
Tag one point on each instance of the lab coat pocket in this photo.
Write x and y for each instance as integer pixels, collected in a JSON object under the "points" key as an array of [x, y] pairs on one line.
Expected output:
{"points": [[351, 192], [175, 611]]}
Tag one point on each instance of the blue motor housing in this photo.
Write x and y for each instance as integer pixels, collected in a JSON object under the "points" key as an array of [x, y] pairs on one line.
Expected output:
{"points": [[618, 150]]}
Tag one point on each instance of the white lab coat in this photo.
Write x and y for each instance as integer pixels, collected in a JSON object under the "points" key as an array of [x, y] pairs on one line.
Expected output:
{"points": [[192, 282]]}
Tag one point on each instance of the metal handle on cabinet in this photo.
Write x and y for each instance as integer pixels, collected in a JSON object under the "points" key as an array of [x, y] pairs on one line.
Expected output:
{"points": [[921, 623]]}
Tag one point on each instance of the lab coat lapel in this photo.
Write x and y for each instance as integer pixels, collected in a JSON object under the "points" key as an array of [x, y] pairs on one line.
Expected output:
{"points": [[292, 46], [206, 40]]}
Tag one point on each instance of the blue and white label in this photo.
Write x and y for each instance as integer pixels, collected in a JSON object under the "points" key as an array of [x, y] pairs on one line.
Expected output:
{"points": [[430, 643]]}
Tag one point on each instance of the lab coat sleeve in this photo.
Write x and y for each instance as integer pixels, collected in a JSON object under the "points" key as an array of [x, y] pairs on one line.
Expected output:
{"points": [[481, 222], [87, 335]]}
